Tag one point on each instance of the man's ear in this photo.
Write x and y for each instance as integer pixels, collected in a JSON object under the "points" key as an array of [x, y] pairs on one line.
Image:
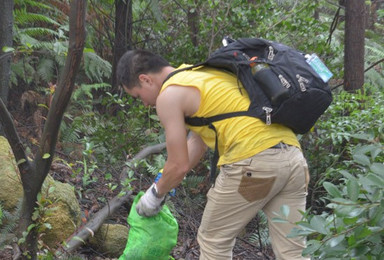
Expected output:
{"points": [[145, 78]]}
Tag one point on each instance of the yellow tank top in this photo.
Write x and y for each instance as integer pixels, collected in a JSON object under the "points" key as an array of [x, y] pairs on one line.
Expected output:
{"points": [[238, 137]]}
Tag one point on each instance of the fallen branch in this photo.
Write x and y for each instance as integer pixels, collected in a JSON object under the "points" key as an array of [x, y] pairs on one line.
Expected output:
{"points": [[99, 217], [94, 224]]}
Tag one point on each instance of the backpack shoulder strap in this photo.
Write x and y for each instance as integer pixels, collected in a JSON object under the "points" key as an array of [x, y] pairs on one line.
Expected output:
{"points": [[208, 121]]}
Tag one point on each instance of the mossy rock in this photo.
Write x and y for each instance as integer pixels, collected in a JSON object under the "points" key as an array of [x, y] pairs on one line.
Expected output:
{"points": [[110, 240], [65, 218], [11, 189]]}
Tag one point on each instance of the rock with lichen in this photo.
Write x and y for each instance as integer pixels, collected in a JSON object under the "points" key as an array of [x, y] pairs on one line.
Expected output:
{"points": [[110, 240], [11, 190], [60, 215]]}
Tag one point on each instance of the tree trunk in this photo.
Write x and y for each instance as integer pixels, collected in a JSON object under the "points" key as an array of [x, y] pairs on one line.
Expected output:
{"points": [[354, 45], [6, 24], [33, 173], [123, 34], [193, 19]]}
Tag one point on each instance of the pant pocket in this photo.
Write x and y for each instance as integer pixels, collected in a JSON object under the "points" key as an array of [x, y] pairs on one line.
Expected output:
{"points": [[253, 189]]}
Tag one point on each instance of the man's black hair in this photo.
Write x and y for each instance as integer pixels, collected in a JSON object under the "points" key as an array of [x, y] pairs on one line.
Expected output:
{"points": [[136, 62]]}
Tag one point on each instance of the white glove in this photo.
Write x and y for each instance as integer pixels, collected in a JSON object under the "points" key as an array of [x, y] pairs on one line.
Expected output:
{"points": [[149, 204]]}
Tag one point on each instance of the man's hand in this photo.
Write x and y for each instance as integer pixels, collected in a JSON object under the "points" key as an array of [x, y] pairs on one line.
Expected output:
{"points": [[149, 204]]}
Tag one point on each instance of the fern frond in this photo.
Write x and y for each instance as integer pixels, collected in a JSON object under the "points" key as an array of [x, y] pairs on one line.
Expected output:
{"points": [[9, 223], [153, 170], [45, 69], [193, 181], [27, 40], [39, 32], [22, 17], [43, 45], [60, 49], [33, 3], [159, 161], [374, 52], [86, 89], [95, 67], [155, 165], [23, 70], [261, 234]]}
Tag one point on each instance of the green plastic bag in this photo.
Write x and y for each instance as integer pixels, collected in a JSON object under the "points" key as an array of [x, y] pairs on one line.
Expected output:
{"points": [[150, 238]]}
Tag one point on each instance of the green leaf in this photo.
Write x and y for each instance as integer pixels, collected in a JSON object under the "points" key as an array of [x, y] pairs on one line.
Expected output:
{"points": [[336, 240], [51, 189], [353, 189], [362, 232], [312, 246], [362, 159], [332, 189], [359, 251], [355, 212], [376, 180], [378, 168], [88, 50], [7, 49], [47, 225], [46, 156], [30, 227], [375, 152], [347, 175], [318, 223], [284, 211], [39, 196], [350, 221], [279, 220], [376, 214], [35, 215], [21, 161]]}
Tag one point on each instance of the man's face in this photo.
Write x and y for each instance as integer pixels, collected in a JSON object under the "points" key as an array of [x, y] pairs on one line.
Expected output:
{"points": [[145, 92]]}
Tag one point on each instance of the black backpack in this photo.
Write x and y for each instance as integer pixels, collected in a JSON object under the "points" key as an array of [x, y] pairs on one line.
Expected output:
{"points": [[288, 91]]}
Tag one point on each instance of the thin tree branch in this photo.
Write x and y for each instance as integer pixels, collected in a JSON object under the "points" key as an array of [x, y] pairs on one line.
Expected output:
{"points": [[370, 67], [65, 87], [374, 64]]}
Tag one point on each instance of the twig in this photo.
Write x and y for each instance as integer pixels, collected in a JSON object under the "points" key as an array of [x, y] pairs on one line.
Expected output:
{"points": [[370, 67]]}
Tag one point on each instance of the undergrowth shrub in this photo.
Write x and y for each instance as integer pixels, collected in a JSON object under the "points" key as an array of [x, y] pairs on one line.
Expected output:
{"points": [[113, 136], [345, 219], [350, 119]]}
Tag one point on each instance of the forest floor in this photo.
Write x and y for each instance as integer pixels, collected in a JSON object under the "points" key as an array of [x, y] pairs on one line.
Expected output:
{"points": [[94, 196]]}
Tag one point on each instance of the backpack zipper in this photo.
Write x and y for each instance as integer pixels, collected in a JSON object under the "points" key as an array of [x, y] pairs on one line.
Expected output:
{"points": [[271, 54], [268, 111]]}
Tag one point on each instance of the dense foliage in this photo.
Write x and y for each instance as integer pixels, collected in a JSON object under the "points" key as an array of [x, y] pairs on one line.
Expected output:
{"points": [[345, 219]]}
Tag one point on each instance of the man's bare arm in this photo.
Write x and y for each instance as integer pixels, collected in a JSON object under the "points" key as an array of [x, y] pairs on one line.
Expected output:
{"points": [[172, 106]]}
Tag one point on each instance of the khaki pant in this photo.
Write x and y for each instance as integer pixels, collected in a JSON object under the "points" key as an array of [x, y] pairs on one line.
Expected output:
{"points": [[266, 181]]}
